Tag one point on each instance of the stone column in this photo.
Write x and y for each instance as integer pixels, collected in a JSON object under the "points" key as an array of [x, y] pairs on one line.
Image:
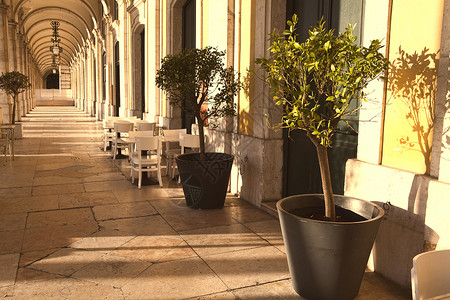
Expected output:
{"points": [[78, 83], [99, 70], [123, 53], [21, 47], [81, 83], [258, 150], [109, 49], [13, 64], [30, 73], [440, 157], [74, 78], [4, 60], [84, 82], [75, 83], [90, 82]]}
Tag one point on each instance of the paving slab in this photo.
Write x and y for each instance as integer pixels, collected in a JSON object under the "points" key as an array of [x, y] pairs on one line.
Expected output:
{"points": [[73, 226]]}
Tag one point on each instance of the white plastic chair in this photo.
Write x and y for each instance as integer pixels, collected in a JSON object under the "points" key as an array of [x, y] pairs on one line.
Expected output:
{"points": [[108, 134], [151, 161], [194, 129], [430, 275], [133, 119], [5, 143], [121, 129], [189, 141], [172, 136], [132, 138], [145, 126], [133, 134]]}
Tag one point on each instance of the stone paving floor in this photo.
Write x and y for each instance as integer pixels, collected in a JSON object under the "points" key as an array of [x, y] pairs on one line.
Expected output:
{"points": [[73, 226]]}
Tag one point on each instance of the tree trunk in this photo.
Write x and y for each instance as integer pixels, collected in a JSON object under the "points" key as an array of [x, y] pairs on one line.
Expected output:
{"points": [[322, 154], [201, 133], [13, 121], [325, 175]]}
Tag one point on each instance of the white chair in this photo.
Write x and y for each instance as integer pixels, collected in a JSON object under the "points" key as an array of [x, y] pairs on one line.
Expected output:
{"points": [[5, 144], [151, 161], [121, 129], [133, 119], [189, 141], [145, 126], [430, 275], [132, 137], [133, 134], [108, 134], [194, 129], [172, 148]]}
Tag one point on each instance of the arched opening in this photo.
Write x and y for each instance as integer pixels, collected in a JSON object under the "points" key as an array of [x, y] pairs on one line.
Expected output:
{"points": [[187, 114], [104, 76], [301, 166], [52, 81], [117, 80], [139, 71]]}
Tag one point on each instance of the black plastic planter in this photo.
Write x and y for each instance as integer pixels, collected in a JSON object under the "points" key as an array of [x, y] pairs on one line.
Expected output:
{"points": [[205, 179], [327, 260]]}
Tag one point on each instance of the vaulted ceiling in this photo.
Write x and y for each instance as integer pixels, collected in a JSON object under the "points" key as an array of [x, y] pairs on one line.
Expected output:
{"points": [[77, 19]]}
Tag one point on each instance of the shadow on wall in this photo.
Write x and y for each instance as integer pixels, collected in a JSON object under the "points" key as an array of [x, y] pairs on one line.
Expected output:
{"points": [[403, 234], [413, 80]]}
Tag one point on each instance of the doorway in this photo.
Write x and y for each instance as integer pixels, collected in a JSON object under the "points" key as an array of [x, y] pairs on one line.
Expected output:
{"points": [[143, 83], [117, 79], [187, 113], [52, 81], [301, 173], [138, 53]]}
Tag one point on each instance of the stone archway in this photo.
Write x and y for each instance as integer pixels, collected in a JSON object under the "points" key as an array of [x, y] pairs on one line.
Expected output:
{"points": [[174, 45]]}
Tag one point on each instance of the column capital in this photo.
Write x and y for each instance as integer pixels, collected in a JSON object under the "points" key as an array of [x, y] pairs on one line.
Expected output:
{"points": [[13, 23], [4, 7]]}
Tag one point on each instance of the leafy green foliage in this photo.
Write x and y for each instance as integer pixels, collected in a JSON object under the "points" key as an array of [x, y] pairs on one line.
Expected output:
{"points": [[199, 76], [13, 83], [316, 81]]}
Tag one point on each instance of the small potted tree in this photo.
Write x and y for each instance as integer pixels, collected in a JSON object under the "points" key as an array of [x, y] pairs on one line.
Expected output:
{"points": [[13, 83], [200, 77], [328, 237]]}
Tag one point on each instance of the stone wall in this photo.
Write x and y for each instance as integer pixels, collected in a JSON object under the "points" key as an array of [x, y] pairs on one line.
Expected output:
{"points": [[54, 97], [416, 219]]}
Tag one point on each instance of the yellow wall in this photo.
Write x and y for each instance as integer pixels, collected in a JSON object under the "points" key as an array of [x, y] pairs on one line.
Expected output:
{"points": [[163, 50], [215, 23], [416, 30], [246, 58]]}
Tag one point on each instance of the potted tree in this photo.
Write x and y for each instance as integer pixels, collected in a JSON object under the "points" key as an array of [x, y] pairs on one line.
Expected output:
{"points": [[13, 83], [328, 237], [200, 77]]}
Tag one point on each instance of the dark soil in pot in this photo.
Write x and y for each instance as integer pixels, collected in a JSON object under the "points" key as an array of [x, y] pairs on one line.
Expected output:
{"points": [[318, 213]]}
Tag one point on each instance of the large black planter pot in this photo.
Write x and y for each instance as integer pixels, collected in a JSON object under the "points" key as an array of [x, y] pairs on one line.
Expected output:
{"points": [[205, 180], [327, 260]]}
